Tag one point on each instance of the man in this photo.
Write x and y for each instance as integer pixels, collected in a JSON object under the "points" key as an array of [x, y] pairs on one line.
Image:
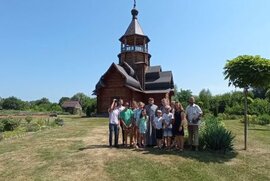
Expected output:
{"points": [[193, 113], [151, 131], [126, 117]]}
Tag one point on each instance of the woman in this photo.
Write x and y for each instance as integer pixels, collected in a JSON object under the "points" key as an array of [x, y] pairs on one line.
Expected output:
{"points": [[178, 126], [114, 122]]}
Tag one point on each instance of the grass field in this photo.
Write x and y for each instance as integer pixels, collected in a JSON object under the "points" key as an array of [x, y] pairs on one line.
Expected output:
{"points": [[79, 151]]}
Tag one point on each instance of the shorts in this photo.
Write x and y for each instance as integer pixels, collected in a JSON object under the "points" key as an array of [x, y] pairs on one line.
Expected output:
{"points": [[159, 133], [167, 132]]}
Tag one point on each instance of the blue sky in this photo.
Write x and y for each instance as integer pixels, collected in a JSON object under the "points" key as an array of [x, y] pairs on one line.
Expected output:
{"points": [[55, 48]]}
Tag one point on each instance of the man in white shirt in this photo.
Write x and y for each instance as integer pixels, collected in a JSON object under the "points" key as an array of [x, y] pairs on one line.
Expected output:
{"points": [[193, 113]]}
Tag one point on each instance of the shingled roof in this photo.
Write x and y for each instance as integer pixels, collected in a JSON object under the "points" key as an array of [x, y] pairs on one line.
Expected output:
{"points": [[155, 79], [134, 27], [129, 74], [71, 104]]}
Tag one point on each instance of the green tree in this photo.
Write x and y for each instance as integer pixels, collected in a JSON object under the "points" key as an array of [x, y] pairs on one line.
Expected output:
{"points": [[14, 103], [205, 97], [214, 104], [259, 92], [54, 107], [84, 100], [259, 107], [183, 96], [42, 105], [1, 103], [43, 100], [267, 94], [63, 99], [245, 72]]}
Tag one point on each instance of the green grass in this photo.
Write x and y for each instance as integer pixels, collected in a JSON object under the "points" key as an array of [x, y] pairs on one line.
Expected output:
{"points": [[253, 164], [78, 151]]}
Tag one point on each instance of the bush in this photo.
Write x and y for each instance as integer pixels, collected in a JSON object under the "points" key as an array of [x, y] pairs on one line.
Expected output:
{"points": [[259, 107], [41, 122], [252, 119], [28, 119], [59, 122], [2, 126], [91, 110], [10, 124], [214, 136], [236, 109], [33, 127], [264, 119]]}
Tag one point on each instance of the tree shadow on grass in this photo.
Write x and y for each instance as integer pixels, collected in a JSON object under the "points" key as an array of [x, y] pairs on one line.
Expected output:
{"points": [[257, 129], [90, 147], [201, 156]]}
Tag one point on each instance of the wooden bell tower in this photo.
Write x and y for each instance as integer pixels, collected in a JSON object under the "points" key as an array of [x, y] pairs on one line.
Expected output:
{"points": [[134, 48]]}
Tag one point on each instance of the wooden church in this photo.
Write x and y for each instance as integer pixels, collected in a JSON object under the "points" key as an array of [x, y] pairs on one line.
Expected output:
{"points": [[133, 78]]}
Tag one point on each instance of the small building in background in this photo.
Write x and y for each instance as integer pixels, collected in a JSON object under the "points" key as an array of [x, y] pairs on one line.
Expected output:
{"points": [[73, 107]]}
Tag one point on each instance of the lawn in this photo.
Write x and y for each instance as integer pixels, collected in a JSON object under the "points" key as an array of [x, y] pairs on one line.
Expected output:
{"points": [[79, 151]]}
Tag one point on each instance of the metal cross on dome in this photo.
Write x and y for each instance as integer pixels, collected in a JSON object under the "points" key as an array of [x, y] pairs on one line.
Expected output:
{"points": [[134, 6]]}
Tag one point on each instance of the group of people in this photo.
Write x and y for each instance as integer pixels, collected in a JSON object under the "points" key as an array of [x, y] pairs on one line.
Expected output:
{"points": [[150, 125]]}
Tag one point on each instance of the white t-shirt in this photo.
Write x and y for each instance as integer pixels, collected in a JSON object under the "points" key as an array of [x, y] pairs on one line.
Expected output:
{"points": [[168, 119], [121, 108], [158, 122], [193, 112], [114, 116]]}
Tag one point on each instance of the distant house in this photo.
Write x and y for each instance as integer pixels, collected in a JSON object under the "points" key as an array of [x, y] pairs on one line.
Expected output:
{"points": [[73, 107]]}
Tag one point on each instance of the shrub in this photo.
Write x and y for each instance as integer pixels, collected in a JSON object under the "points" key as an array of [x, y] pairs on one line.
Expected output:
{"points": [[41, 122], [252, 119], [59, 122], [214, 136], [10, 124], [91, 110], [236, 109], [259, 107], [28, 119], [2, 126], [264, 119], [32, 127]]}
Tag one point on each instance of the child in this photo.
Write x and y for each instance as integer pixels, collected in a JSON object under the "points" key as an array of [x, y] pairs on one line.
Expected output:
{"points": [[167, 121], [158, 126], [143, 128], [137, 115], [135, 110], [127, 116]]}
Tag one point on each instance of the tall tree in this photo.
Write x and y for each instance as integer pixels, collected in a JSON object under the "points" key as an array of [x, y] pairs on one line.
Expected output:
{"points": [[14, 103], [84, 100], [247, 71], [63, 99], [1, 102], [183, 96], [267, 94], [205, 97]]}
